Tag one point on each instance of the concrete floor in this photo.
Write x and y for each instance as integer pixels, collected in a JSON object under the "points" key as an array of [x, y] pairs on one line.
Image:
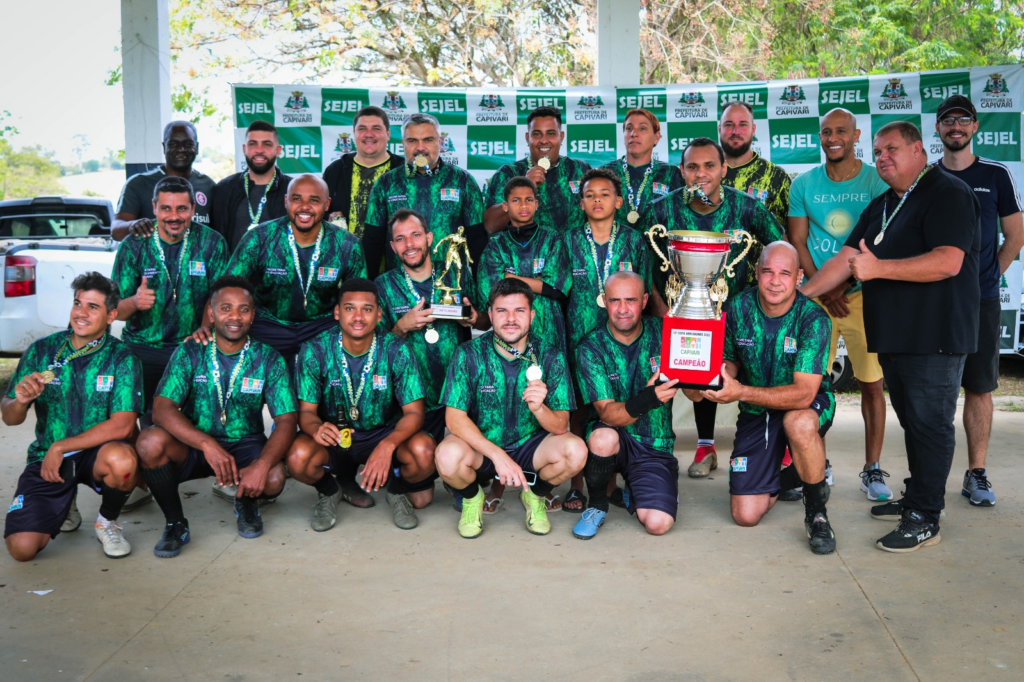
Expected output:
{"points": [[366, 601]]}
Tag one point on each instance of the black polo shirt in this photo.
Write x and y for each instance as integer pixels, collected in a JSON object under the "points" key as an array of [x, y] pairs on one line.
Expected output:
{"points": [[230, 216]]}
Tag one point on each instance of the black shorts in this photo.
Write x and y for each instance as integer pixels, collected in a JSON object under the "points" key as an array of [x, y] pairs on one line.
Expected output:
{"points": [[244, 452], [154, 362], [40, 506], [434, 424], [652, 476], [522, 455], [760, 445], [981, 369], [363, 443], [287, 338]]}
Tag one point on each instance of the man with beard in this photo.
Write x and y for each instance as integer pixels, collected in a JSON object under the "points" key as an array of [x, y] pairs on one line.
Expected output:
{"points": [[557, 177], [747, 171], [134, 213], [244, 200], [956, 122], [711, 208], [629, 424], [824, 204], [209, 419], [348, 419], [445, 195], [86, 387], [643, 178], [351, 178], [504, 421], [776, 345]]}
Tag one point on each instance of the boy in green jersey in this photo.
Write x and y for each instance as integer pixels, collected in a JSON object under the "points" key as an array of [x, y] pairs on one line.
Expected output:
{"points": [[776, 345], [86, 390], [208, 415], [503, 417], [361, 402]]}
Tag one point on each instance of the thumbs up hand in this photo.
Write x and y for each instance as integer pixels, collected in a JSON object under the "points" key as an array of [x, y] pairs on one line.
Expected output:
{"points": [[864, 266], [145, 298]]}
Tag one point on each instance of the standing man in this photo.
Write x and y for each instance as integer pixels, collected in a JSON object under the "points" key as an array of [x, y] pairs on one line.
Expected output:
{"points": [[915, 248], [445, 195], [748, 172], [134, 213], [557, 178], [643, 178], [244, 200], [351, 178], [824, 204], [956, 123], [86, 387], [504, 421]]}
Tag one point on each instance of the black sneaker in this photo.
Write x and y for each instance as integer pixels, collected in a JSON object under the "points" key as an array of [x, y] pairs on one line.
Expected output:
{"points": [[247, 509], [819, 530], [890, 511], [911, 534], [175, 536], [791, 495]]}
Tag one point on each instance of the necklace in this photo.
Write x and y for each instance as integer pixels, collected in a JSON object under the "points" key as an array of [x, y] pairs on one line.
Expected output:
{"points": [[312, 262], [602, 275], [431, 334], [533, 372], [635, 198], [254, 218], [887, 219], [222, 400], [850, 175], [353, 397], [181, 258], [50, 374]]}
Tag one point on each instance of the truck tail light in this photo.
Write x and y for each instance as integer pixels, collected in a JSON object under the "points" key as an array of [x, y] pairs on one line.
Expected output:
{"points": [[19, 276]]}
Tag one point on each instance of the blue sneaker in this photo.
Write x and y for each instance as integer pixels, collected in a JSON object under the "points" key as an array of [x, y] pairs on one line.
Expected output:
{"points": [[247, 511], [588, 524], [977, 489], [626, 494], [872, 482]]}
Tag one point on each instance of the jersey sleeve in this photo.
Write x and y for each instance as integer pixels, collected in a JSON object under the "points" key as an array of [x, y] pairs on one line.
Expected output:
{"points": [[387, 316], [377, 205], [496, 185], [556, 271], [814, 341], [309, 374], [279, 394], [764, 225], [126, 273], [591, 377], [675, 179], [559, 382], [458, 390], [1009, 197], [796, 197], [217, 264], [176, 383], [131, 199], [127, 393], [408, 382]]}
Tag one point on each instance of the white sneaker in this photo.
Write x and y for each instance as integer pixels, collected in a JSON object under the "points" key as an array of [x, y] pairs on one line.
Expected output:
{"points": [[74, 517], [110, 536]]}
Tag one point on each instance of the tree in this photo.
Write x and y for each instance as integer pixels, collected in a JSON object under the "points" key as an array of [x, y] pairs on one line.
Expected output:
{"points": [[27, 173]]}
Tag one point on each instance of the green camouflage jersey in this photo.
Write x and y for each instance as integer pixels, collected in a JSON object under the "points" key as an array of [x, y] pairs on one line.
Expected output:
{"points": [[171, 319], [542, 257], [607, 369], [558, 198], [264, 257], [448, 199], [764, 181], [769, 350], [85, 392], [392, 379], [630, 253], [396, 299], [664, 178], [736, 212], [261, 378], [489, 388]]}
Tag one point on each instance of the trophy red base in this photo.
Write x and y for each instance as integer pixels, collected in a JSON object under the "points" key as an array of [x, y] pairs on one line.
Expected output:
{"points": [[691, 351]]}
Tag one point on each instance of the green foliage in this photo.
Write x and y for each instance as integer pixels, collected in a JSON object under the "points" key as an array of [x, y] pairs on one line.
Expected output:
{"points": [[27, 173]]}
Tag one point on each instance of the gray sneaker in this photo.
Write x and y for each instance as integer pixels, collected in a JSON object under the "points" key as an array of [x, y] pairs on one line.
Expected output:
{"points": [[405, 515], [325, 512], [977, 489], [872, 482], [74, 517], [138, 498], [225, 492]]}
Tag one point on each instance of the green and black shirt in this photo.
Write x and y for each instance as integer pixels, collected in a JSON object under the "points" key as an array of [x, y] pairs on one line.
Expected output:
{"points": [[764, 181], [558, 199], [489, 388], [192, 264], [664, 178], [85, 392]]}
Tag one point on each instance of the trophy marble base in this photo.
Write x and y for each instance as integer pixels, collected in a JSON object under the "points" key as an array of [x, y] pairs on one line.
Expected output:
{"points": [[691, 351], [451, 312]]}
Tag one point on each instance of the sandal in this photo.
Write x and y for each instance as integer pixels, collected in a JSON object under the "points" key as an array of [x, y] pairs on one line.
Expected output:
{"points": [[496, 501], [552, 502], [574, 496]]}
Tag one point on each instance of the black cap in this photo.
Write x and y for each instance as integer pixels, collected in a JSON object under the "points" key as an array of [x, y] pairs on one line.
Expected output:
{"points": [[953, 103]]}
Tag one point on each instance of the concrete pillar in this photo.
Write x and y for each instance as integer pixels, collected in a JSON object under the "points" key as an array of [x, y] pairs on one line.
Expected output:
{"points": [[618, 42], [146, 70]]}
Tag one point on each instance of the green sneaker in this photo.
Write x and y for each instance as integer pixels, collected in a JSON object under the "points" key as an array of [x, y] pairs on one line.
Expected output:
{"points": [[471, 523], [536, 513]]}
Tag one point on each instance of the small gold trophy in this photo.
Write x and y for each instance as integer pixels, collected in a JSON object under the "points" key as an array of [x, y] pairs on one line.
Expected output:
{"points": [[450, 306]]}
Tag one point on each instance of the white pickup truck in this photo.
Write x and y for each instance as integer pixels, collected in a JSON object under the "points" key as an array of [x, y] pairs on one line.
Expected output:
{"points": [[45, 243]]}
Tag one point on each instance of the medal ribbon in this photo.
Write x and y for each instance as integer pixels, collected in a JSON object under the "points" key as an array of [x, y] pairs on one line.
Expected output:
{"points": [[181, 259], [254, 218], [530, 356], [415, 294], [635, 199], [353, 398], [886, 221], [222, 400], [57, 363], [602, 277], [298, 263]]}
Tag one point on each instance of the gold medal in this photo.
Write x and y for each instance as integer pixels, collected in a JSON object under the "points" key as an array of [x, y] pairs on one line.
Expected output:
{"points": [[47, 376], [224, 417], [353, 413], [544, 162], [878, 239], [534, 373], [420, 162], [632, 217], [600, 300], [431, 335]]}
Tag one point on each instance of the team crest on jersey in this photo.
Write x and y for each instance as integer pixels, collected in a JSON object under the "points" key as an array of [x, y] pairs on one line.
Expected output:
{"points": [[659, 188], [380, 382], [759, 194], [197, 268], [447, 146], [538, 265], [326, 274], [17, 503], [250, 385], [789, 345], [345, 144], [574, 186], [104, 383], [738, 464], [201, 199], [449, 194], [297, 101], [626, 265], [655, 363]]}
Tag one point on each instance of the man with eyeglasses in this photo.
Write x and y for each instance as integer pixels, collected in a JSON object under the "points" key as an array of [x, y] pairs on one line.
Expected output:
{"points": [[994, 186]]}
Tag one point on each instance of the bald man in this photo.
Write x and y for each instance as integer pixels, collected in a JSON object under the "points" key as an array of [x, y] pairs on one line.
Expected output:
{"points": [[776, 348]]}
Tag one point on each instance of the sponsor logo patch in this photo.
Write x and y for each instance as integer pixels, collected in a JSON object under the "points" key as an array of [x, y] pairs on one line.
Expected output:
{"points": [[659, 188], [789, 345], [574, 186], [449, 194], [17, 503], [105, 383], [626, 265], [197, 268], [250, 385], [327, 274], [738, 464], [759, 194], [380, 382], [538, 265]]}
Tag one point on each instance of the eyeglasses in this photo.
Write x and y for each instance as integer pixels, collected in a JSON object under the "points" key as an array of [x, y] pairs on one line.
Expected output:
{"points": [[962, 120]]}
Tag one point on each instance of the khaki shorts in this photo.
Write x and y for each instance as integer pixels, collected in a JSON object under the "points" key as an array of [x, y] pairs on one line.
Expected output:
{"points": [[865, 365]]}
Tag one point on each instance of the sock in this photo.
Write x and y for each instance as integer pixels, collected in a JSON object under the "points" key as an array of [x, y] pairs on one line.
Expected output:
{"points": [[704, 416], [163, 483], [705, 442], [541, 488], [345, 472], [597, 473], [815, 498], [789, 478], [470, 491], [397, 485], [327, 485], [111, 501]]}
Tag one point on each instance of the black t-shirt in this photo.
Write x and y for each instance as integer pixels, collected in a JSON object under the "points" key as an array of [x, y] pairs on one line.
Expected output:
{"points": [[923, 317], [997, 195], [137, 194]]}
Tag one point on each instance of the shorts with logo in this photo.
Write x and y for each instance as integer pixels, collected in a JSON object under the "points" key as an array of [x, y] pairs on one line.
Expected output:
{"points": [[244, 451], [363, 443], [761, 443], [981, 368], [652, 475], [40, 506], [521, 455], [287, 338], [865, 365]]}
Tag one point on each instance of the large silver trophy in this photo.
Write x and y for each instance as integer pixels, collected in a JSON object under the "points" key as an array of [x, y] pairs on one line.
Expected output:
{"points": [[450, 306]]}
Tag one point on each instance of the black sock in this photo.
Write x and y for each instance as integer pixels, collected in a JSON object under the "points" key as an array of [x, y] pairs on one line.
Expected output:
{"points": [[789, 478], [344, 469], [327, 485], [397, 485], [541, 488], [469, 491], [163, 483], [815, 498], [111, 501], [704, 416], [597, 473]]}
